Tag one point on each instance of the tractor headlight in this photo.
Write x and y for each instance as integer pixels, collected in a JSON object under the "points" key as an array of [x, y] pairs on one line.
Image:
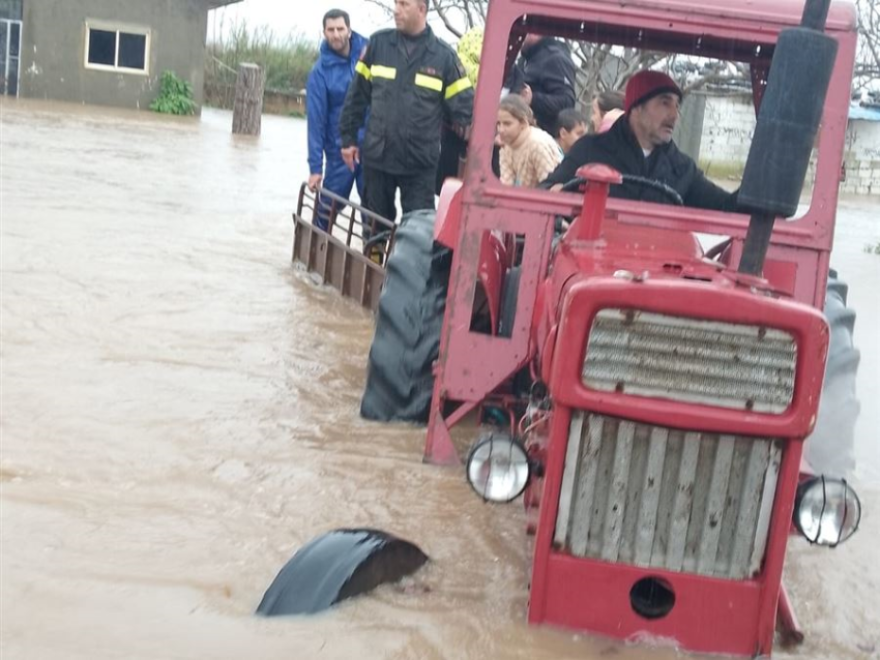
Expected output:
{"points": [[826, 511], [498, 468]]}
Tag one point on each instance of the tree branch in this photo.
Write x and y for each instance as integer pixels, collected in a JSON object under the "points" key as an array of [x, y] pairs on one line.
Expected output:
{"points": [[711, 79], [869, 36], [441, 12], [382, 5]]}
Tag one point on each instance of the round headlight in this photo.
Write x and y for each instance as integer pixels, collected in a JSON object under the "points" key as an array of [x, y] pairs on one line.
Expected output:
{"points": [[498, 468], [827, 511]]}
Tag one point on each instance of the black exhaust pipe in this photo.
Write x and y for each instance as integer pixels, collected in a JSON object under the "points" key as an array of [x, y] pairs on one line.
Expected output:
{"points": [[788, 121]]}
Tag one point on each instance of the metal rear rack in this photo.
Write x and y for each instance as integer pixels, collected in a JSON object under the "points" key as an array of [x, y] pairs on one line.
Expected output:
{"points": [[351, 254]]}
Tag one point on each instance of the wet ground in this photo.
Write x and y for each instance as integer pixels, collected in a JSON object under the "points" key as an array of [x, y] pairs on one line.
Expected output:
{"points": [[179, 414]]}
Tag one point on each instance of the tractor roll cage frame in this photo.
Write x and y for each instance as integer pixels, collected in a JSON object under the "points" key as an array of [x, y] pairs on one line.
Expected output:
{"points": [[799, 255]]}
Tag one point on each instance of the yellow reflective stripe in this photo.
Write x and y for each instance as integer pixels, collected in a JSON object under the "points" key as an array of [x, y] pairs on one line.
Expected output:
{"points": [[364, 70], [458, 86], [380, 71], [429, 81]]}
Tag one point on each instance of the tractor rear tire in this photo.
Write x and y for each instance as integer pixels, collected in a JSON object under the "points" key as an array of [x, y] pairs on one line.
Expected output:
{"points": [[400, 379], [830, 449]]}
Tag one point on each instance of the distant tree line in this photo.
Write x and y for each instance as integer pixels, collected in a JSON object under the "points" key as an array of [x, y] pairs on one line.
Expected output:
{"points": [[286, 61]]}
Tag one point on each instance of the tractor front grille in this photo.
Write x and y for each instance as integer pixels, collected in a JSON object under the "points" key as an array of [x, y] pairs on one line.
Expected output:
{"points": [[736, 366], [656, 497]]}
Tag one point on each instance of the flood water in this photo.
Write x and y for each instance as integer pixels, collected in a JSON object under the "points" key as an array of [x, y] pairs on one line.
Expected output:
{"points": [[180, 413]]}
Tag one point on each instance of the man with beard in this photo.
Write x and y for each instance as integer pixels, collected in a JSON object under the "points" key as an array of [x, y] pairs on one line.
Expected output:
{"points": [[325, 93], [640, 143]]}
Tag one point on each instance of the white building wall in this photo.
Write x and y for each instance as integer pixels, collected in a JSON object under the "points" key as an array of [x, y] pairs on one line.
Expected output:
{"points": [[728, 126], [862, 158]]}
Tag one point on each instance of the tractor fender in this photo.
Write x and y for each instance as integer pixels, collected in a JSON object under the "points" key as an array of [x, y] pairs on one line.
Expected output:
{"points": [[448, 223]]}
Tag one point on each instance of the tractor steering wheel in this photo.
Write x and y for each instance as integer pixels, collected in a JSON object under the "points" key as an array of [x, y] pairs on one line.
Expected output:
{"points": [[659, 186], [573, 184]]}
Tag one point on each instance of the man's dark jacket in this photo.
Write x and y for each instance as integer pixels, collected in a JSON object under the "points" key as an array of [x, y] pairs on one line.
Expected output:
{"points": [[619, 148], [549, 71], [407, 96]]}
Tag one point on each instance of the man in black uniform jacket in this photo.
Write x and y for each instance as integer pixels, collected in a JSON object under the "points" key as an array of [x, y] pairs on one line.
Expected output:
{"points": [[408, 78], [548, 79], [640, 143]]}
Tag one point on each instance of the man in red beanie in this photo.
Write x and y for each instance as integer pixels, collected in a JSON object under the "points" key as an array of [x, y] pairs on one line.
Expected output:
{"points": [[640, 143]]}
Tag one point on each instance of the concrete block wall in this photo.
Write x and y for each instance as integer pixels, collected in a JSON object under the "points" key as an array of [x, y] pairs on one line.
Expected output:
{"points": [[862, 158], [728, 127]]}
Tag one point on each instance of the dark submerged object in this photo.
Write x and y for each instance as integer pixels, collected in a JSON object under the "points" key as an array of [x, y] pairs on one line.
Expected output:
{"points": [[338, 565]]}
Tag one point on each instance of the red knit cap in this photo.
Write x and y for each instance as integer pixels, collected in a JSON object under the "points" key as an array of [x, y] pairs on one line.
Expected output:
{"points": [[645, 85]]}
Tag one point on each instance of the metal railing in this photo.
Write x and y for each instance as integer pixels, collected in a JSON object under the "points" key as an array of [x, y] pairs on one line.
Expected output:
{"points": [[350, 253], [357, 227]]}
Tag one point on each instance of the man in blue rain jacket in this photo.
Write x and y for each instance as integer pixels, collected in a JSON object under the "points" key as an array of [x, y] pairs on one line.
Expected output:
{"points": [[325, 95]]}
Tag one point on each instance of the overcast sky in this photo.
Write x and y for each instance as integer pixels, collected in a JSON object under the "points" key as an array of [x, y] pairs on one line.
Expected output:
{"points": [[301, 16]]}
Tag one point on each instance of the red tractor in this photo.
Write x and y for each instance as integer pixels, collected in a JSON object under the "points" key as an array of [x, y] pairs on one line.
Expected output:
{"points": [[650, 398]]}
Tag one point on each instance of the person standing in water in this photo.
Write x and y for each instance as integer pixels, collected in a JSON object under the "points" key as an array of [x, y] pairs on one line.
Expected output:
{"points": [[325, 93], [410, 80]]}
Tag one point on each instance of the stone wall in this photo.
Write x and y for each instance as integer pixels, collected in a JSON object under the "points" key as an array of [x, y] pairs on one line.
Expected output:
{"points": [[728, 126], [862, 158], [274, 102]]}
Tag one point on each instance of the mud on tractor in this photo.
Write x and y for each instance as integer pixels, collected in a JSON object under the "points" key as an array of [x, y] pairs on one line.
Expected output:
{"points": [[650, 398]]}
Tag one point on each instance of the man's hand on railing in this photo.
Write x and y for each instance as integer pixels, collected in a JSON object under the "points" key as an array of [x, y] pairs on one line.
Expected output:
{"points": [[315, 181]]}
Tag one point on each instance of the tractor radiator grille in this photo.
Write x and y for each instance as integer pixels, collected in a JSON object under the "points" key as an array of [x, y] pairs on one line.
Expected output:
{"points": [[655, 497], [723, 364]]}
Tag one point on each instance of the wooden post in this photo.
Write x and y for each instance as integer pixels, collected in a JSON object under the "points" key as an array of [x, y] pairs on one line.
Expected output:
{"points": [[248, 107]]}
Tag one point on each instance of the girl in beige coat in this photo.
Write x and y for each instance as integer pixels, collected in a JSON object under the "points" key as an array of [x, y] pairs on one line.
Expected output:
{"points": [[528, 154]]}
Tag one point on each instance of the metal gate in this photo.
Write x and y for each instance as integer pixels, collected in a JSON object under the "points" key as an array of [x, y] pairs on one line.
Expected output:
{"points": [[10, 56]]}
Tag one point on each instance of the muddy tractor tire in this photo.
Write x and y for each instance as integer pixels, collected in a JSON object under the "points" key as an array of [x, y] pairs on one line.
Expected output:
{"points": [[400, 380], [830, 449]]}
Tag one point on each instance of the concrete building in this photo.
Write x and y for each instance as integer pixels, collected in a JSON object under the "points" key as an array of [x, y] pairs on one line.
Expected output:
{"points": [[729, 124], [106, 52]]}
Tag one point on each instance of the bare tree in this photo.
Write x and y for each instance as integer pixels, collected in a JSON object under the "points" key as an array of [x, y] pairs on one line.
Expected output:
{"points": [[458, 16], [867, 72], [602, 67]]}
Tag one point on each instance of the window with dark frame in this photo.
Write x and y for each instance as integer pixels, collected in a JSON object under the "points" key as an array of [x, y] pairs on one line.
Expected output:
{"points": [[10, 46], [117, 49], [102, 47], [132, 51]]}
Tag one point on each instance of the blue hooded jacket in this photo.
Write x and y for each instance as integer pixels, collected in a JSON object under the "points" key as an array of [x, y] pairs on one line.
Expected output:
{"points": [[325, 95]]}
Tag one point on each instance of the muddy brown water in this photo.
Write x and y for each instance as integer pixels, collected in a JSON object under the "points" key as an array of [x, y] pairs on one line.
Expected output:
{"points": [[179, 414]]}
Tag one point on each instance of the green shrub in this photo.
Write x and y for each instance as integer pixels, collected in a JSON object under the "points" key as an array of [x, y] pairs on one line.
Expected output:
{"points": [[175, 96], [873, 248]]}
